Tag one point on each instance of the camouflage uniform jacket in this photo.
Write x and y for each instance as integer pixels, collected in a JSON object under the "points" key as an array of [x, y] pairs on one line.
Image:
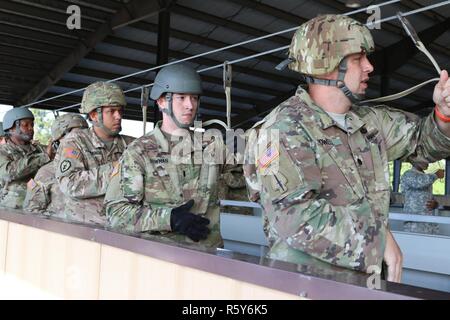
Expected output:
{"points": [[43, 193], [324, 191], [18, 163], [83, 167], [150, 182], [417, 187]]}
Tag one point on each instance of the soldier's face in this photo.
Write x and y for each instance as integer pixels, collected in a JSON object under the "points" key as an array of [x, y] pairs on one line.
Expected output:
{"points": [[184, 106], [112, 118], [26, 127], [358, 69]]}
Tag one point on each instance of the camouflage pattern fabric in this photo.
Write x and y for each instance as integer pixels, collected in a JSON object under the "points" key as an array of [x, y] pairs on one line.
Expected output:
{"points": [[150, 181], [83, 167], [18, 163], [232, 186], [101, 94], [324, 191], [417, 187], [43, 194], [320, 44]]}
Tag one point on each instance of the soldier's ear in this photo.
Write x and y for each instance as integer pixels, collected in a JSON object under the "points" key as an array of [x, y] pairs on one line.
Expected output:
{"points": [[161, 102], [93, 116]]}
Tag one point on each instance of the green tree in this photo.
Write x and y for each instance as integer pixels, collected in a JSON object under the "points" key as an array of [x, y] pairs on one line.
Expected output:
{"points": [[43, 120]]}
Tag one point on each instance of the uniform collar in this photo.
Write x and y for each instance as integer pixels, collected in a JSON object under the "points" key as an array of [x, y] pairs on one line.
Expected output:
{"points": [[97, 142], [163, 143], [353, 121]]}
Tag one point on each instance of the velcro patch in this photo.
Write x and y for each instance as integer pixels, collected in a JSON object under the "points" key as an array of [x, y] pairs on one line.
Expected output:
{"points": [[268, 157], [71, 153]]}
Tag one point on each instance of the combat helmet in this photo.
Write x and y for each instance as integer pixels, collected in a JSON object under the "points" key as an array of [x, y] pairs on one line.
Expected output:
{"points": [[101, 94], [176, 78], [14, 115], [322, 44], [63, 124]]}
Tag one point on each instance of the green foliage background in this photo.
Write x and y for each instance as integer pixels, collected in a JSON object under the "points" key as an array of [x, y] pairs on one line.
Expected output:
{"points": [[42, 125]]}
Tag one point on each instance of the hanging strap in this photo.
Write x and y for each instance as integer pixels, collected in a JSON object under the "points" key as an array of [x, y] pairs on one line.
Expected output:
{"points": [[144, 103]]}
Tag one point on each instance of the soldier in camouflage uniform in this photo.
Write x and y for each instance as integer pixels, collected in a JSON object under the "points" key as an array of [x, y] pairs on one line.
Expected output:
{"points": [[156, 191], [417, 186], [86, 158], [324, 184], [43, 193], [20, 159]]}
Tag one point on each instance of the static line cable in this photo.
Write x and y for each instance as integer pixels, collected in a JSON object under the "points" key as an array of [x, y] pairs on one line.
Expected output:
{"points": [[199, 55]]}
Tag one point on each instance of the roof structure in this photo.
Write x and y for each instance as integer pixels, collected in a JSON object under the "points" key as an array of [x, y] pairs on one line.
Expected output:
{"points": [[42, 58]]}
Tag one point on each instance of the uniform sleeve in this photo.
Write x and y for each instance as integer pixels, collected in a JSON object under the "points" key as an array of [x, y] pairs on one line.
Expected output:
{"points": [[74, 178], [408, 136], [124, 199], [290, 181], [15, 169], [37, 197]]}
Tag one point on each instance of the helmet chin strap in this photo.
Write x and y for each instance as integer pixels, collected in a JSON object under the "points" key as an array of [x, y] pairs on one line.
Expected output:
{"points": [[169, 112], [101, 125], [339, 83]]}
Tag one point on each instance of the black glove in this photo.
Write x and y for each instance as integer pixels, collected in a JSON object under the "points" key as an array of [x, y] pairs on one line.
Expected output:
{"points": [[189, 224]]}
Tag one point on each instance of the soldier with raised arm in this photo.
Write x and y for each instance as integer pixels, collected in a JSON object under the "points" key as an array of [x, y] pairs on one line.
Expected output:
{"points": [[324, 185]]}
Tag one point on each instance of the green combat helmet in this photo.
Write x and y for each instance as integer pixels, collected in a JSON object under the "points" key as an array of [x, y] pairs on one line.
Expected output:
{"points": [[322, 44], [176, 78], [63, 124], [13, 116], [100, 94]]}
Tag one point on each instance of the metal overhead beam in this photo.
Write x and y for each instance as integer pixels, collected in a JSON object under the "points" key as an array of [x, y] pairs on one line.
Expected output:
{"points": [[41, 26], [130, 12], [45, 14], [56, 10], [242, 28], [270, 11], [185, 36], [37, 36], [31, 45], [142, 81], [27, 54], [142, 66], [201, 60]]}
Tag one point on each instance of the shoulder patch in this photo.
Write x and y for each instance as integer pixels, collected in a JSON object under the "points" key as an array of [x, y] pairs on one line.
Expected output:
{"points": [[65, 165], [267, 157], [71, 153]]}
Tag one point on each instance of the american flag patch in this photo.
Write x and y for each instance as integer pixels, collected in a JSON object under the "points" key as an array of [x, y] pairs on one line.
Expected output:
{"points": [[71, 153], [268, 156]]}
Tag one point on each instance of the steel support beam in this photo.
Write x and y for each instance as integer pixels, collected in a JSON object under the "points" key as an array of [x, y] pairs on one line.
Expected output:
{"points": [[131, 12]]}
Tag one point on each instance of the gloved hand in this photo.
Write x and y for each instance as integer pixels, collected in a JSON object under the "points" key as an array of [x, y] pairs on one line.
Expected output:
{"points": [[189, 224]]}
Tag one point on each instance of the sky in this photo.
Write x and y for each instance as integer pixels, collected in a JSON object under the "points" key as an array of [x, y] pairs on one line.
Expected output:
{"points": [[129, 127]]}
